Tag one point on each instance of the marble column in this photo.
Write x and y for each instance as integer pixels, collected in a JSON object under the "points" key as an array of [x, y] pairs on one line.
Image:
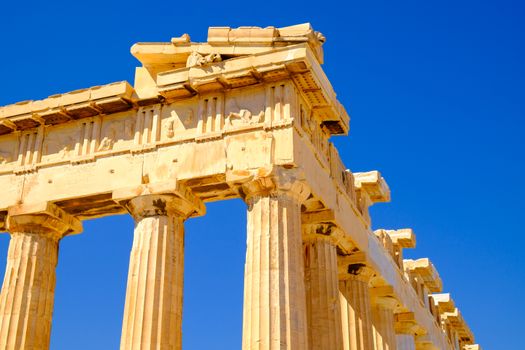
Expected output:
{"points": [[322, 289], [27, 296], [153, 308], [405, 328], [405, 342], [274, 293], [383, 323], [355, 308]]}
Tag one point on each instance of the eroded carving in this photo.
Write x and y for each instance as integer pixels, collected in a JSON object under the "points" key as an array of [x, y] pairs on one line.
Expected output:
{"points": [[320, 37], [244, 117], [106, 144], [307, 122], [170, 132], [242, 113], [178, 120], [58, 146], [64, 152], [315, 132], [195, 59], [113, 130], [5, 157], [188, 117]]}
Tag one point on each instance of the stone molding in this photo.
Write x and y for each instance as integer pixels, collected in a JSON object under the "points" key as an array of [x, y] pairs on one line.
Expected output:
{"points": [[169, 198], [426, 271], [159, 205], [405, 323], [386, 302], [354, 267], [278, 182], [44, 218], [384, 296]]}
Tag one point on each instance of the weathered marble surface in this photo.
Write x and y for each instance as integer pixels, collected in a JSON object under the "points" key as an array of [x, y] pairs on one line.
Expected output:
{"points": [[247, 114]]}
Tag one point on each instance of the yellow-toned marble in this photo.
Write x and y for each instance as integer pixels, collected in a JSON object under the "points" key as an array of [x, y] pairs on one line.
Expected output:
{"points": [[248, 114]]}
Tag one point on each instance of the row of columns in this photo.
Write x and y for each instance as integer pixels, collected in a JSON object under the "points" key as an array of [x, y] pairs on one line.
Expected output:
{"points": [[295, 296]]}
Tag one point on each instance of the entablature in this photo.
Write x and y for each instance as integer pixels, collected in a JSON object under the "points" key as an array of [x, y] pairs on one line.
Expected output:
{"points": [[395, 241], [425, 270], [451, 319], [235, 58], [62, 108], [229, 42], [373, 185], [291, 62], [443, 302], [455, 319], [404, 237]]}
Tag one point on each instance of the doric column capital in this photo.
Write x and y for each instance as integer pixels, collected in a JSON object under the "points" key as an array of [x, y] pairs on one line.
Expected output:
{"points": [[405, 323], [318, 232], [42, 218], [384, 296], [159, 204], [276, 182], [359, 272], [386, 302], [354, 267], [326, 218], [159, 199]]}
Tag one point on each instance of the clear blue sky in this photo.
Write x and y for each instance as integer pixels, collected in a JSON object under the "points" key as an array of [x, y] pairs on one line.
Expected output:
{"points": [[436, 93]]}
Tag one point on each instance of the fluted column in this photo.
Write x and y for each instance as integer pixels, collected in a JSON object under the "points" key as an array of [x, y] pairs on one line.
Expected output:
{"points": [[355, 308], [27, 297], [153, 308], [322, 289], [383, 322], [274, 295], [405, 342], [405, 328]]}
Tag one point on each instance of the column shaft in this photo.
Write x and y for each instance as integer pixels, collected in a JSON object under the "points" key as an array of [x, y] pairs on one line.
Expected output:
{"points": [[355, 314], [26, 300], [405, 342], [153, 308], [274, 295], [322, 293], [384, 332]]}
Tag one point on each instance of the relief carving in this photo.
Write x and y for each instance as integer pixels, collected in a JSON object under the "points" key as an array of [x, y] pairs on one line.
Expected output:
{"points": [[309, 127], [59, 146], [308, 123], [320, 36], [113, 130], [314, 132], [240, 115], [106, 144], [195, 59], [64, 152], [186, 118], [171, 128], [244, 117], [5, 157]]}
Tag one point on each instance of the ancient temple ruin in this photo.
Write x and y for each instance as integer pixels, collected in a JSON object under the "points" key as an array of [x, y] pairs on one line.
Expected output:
{"points": [[248, 114]]}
